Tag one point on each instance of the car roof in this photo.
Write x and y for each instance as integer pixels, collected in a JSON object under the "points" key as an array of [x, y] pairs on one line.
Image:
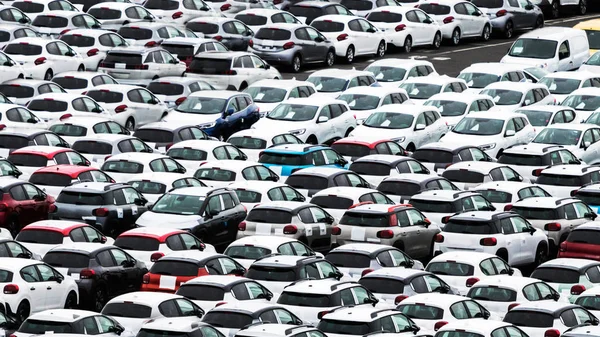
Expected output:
{"points": [[264, 241], [286, 205], [255, 185], [569, 263], [138, 157], [546, 306], [442, 195], [373, 91], [362, 313], [218, 280], [434, 299], [439, 80], [335, 72], [475, 166], [61, 315], [193, 191], [478, 326], [176, 324], [504, 186], [284, 261], [458, 97], [368, 248], [506, 281], [465, 257], [141, 297], [578, 75], [533, 148], [80, 247], [320, 171], [570, 170], [350, 192], [226, 94], [544, 202]]}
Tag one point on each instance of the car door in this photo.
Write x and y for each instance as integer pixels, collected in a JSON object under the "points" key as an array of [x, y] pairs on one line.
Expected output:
{"points": [[422, 135], [67, 59], [477, 20], [420, 31], [128, 274], [244, 35], [37, 199], [24, 207], [528, 244], [7, 67], [214, 217], [37, 289], [513, 243], [565, 60], [587, 143], [55, 289]]}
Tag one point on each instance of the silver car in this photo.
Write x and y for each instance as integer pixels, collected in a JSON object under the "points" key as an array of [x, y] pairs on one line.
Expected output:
{"points": [[508, 16], [292, 45]]}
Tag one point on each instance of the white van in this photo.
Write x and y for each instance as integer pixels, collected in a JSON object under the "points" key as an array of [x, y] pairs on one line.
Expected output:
{"points": [[552, 48]]}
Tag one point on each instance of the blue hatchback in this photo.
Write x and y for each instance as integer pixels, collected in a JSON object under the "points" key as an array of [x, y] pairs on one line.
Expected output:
{"points": [[286, 159], [220, 113]]}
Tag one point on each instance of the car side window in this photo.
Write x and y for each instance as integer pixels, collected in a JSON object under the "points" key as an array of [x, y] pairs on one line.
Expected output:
{"points": [[564, 50], [30, 274], [459, 311], [570, 212], [487, 267]]}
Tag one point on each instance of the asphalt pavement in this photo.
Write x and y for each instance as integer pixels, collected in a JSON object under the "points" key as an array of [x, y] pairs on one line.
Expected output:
{"points": [[450, 60]]}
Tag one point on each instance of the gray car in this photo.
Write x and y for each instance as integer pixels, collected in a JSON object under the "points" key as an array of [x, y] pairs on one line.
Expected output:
{"points": [[292, 45], [508, 16]]}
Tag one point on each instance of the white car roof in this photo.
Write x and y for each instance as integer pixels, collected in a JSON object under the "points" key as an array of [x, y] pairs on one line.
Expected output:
{"points": [[323, 286], [478, 326], [373, 91], [88, 75], [515, 86], [434, 299], [442, 195], [505, 281], [495, 68], [360, 313], [320, 171], [138, 157], [396, 62], [105, 138], [61, 315], [412, 177], [458, 97], [405, 109], [212, 19], [198, 144], [500, 116], [466, 257], [439, 80], [14, 265], [570, 170], [32, 40], [86, 121], [482, 167], [283, 84], [361, 247], [166, 178], [192, 191], [288, 205], [533, 148], [338, 73], [544, 202], [222, 280], [122, 88], [57, 96], [549, 108], [569, 263], [265, 241], [255, 185], [592, 91], [345, 192], [226, 94], [577, 75], [503, 186], [229, 164], [178, 324]]}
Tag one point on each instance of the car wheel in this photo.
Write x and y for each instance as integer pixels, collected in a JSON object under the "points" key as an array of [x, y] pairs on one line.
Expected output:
{"points": [[487, 31], [437, 40], [508, 30], [23, 311], [21, 76], [81, 68], [455, 36], [330, 58], [555, 8], [407, 45], [503, 254], [130, 124], [100, 299], [411, 147], [296, 63], [350, 54], [48, 75], [312, 139], [71, 302], [539, 22], [381, 49], [243, 86], [582, 7], [348, 132], [541, 255]]}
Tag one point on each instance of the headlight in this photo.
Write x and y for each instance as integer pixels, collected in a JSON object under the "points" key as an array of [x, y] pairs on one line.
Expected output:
{"points": [[297, 132], [399, 139], [487, 146], [207, 125]]}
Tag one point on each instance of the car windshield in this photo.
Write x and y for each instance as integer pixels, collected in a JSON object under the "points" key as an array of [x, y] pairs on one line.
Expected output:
{"points": [[130, 310], [249, 252], [16, 90], [293, 112], [92, 147], [399, 188], [591, 302], [448, 108], [582, 102], [450, 268], [360, 102], [29, 160], [281, 159], [559, 180], [421, 311], [166, 88], [560, 86], [537, 117], [504, 96], [389, 120], [49, 105], [264, 273], [247, 142], [328, 26], [421, 90], [332, 201], [252, 19], [266, 94], [187, 154], [479, 126], [39, 327], [533, 48], [558, 136], [178, 204], [328, 84], [387, 74], [78, 40], [466, 176], [202, 105], [478, 80], [70, 82], [40, 236], [79, 198], [383, 285]]}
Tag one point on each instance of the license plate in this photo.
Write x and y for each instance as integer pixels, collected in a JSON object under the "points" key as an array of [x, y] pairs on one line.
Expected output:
{"points": [[120, 65]]}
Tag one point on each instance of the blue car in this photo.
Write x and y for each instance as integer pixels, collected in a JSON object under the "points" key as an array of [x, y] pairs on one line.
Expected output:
{"points": [[286, 159], [590, 194], [219, 113]]}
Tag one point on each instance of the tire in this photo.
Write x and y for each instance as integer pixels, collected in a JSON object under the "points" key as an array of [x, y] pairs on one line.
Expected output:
{"points": [[296, 63], [312, 139], [508, 30], [21, 76], [582, 7], [71, 301], [81, 68], [13, 226], [349, 58], [455, 40], [503, 254], [348, 132], [48, 75], [499, 153], [487, 32], [407, 44], [539, 22], [243, 86], [380, 50], [23, 311], [100, 299], [411, 147], [330, 58], [155, 78], [541, 255], [555, 9], [437, 40], [130, 124]]}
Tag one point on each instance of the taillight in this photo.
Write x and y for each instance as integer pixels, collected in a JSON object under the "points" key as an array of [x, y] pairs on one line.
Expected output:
{"points": [[385, 234], [87, 273], [321, 314], [399, 299], [101, 212], [151, 44], [563, 246], [508, 207], [121, 108], [11, 289], [231, 72], [552, 333], [366, 271], [146, 278], [177, 15], [488, 242], [400, 27], [156, 256], [218, 37], [513, 305], [64, 32], [448, 19], [92, 52], [471, 281], [220, 304], [180, 100], [39, 60], [439, 324], [537, 172], [342, 37], [574, 192], [552, 227], [577, 289], [290, 229], [242, 226], [288, 45], [3, 207], [438, 238], [52, 208], [65, 116], [225, 7], [501, 12], [336, 230]]}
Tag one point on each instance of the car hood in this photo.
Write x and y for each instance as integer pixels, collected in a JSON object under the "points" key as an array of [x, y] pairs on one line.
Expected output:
{"points": [[468, 139], [190, 119], [367, 132], [153, 219], [266, 123]]}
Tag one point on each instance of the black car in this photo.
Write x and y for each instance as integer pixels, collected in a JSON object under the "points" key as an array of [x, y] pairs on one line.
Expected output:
{"points": [[315, 181], [13, 139], [163, 135], [313, 9], [438, 156], [400, 189], [104, 271], [70, 321], [233, 317], [290, 268]]}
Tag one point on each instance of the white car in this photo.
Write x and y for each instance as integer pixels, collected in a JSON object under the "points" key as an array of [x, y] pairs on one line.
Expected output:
{"points": [[113, 15], [470, 174], [184, 48], [364, 320], [14, 16], [98, 147], [462, 269], [402, 187], [33, 8], [405, 33], [222, 173], [459, 19], [589, 299], [364, 100], [27, 291], [254, 192], [376, 167], [332, 82], [313, 120], [500, 294], [173, 90], [504, 193], [9, 68], [17, 116], [122, 167], [29, 158], [79, 82], [248, 249], [562, 180], [480, 75], [580, 139], [352, 36], [268, 93], [454, 106], [529, 160], [392, 72], [484, 328], [258, 17], [512, 95], [337, 200], [194, 153], [439, 204], [148, 34], [278, 330], [92, 44], [42, 58], [411, 126], [20, 91], [81, 321], [52, 107], [584, 101], [53, 24], [129, 105], [492, 133], [230, 72], [421, 88], [563, 83], [53, 179], [70, 128], [253, 141], [10, 32], [500, 230], [179, 13], [541, 116], [154, 185]]}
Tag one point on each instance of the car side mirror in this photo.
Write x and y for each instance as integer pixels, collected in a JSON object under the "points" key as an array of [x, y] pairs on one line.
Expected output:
{"points": [[267, 66], [15, 173], [591, 215], [128, 263], [419, 127], [511, 272], [174, 61], [70, 53], [478, 13], [23, 20], [586, 144], [329, 220], [213, 212], [140, 201], [56, 279], [205, 9], [8, 64], [116, 329], [322, 119], [371, 30], [39, 197], [319, 39], [529, 7], [24, 255], [509, 133], [229, 112], [415, 329], [103, 239]]}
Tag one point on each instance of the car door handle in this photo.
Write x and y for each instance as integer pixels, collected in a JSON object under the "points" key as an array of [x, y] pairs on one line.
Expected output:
{"points": [[32, 288], [49, 288]]}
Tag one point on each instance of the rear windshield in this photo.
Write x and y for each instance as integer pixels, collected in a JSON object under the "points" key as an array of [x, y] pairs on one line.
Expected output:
{"points": [[68, 130], [121, 166], [557, 180], [104, 96], [154, 135], [556, 275], [488, 3], [71, 82], [310, 13], [23, 49], [50, 21], [433, 156], [536, 213], [328, 26], [269, 216], [30, 160], [78, 198], [435, 9], [463, 176], [203, 27], [471, 227], [589, 198], [137, 243], [365, 219], [521, 159], [433, 206], [162, 4], [533, 319], [165, 88], [343, 327], [359, 5], [203, 65], [273, 34], [149, 187], [176, 268], [421, 311], [67, 260], [385, 17], [373, 169], [248, 143], [104, 13], [246, 252], [496, 196], [135, 33], [231, 320], [15, 90], [281, 159], [126, 58], [28, 6], [349, 260], [198, 292], [182, 51], [351, 150], [40, 236], [495, 294], [398, 188], [450, 268], [47, 105], [13, 142], [38, 327], [591, 237], [78, 41], [252, 20], [332, 201], [305, 299], [130, 310], [92, 147], [271, 274], [307, 182], [50, 179]]}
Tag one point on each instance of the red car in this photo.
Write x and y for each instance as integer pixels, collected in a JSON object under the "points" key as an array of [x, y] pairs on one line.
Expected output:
{"points": [[583, 242], [353, 148], [170, 271], [29, 158], [22, 203], [52, 179]]}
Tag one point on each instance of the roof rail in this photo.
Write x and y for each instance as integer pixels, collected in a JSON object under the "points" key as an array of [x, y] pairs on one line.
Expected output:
{"points": [[335, 286], [557, 202], [374, 313], [457, 194], [289, 331], [307, 258], [218, 190], [298, 281], [547, 148], [109, 186], [253, 324], [268, 255]]}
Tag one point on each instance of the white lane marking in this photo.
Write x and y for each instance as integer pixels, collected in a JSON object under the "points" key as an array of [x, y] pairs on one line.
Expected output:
{"points": [[441, 58], [576, 18], [418, 57]]}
